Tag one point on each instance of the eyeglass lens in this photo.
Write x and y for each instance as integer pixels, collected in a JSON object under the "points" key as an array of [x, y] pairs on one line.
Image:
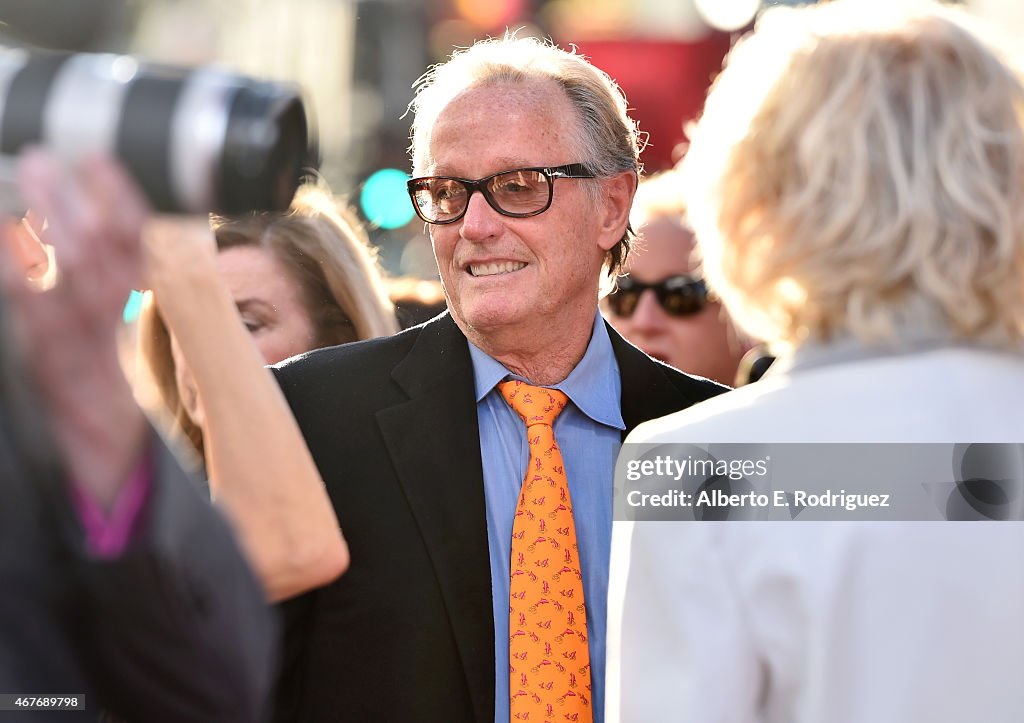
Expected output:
{"points": [[519, 193], [677, 295]]}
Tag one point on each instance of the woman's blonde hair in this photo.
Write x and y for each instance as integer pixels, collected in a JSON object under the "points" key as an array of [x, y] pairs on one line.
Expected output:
{"points": [[859, 169], [326, 252]]}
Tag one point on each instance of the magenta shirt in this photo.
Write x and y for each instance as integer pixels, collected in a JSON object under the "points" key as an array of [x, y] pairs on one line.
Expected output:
{"points": [[107, 534]]}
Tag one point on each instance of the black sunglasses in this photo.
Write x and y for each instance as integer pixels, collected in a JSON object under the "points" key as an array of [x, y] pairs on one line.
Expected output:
{"points": [[517, 193], [680, 295]]}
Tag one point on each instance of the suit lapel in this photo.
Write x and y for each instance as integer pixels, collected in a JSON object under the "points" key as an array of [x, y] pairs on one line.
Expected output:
{"points": [[434, 443], [647, 392]]}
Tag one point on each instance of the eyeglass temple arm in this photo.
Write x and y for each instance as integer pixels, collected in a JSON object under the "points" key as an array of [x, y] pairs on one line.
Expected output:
{"points": [[575, 170]]}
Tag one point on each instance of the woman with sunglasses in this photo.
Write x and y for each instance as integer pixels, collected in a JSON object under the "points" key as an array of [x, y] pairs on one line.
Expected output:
{"points": [[662, 305]]}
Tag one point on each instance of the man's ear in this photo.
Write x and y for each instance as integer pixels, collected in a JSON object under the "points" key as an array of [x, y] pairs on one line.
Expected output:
{"points": [[617, 200]]}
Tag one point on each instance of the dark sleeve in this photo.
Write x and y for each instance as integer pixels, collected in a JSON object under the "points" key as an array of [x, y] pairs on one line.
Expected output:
{"points": [[176, 628], [295, 619]]}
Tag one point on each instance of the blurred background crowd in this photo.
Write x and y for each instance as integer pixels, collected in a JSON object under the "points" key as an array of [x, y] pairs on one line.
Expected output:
{"points": [[357, 61]]}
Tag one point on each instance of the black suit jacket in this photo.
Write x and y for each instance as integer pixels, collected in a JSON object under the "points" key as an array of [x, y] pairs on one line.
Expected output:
{"points": [[175, 629], [407, 634]]}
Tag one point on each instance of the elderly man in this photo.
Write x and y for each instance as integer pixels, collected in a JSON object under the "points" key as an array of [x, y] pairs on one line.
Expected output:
{"points": [[475, 594]]}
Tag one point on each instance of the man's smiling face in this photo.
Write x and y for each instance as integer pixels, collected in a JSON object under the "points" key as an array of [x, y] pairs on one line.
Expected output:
{"points": [[504, 274]]}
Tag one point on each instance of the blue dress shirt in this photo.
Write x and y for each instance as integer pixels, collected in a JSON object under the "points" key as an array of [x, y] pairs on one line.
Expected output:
{"points": [[589, 434]]}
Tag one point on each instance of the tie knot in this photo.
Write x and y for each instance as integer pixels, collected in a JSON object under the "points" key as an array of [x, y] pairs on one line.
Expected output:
{"points": [[534, 405]]}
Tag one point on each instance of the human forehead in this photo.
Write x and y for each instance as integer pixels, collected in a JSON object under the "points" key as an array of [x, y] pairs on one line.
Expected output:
{"points": [[664, 248], [503, 126], [256, 270]]}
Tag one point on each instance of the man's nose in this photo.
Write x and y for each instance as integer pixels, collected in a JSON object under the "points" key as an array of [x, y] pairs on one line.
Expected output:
{"points": [[481, 221]]}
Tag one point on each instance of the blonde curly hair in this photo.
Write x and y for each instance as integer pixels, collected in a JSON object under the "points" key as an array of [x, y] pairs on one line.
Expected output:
{"points": [[859, 170]]}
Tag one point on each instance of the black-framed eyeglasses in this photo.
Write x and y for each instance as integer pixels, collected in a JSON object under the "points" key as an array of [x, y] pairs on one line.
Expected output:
{"points": [[679, 295], [518, 193]]}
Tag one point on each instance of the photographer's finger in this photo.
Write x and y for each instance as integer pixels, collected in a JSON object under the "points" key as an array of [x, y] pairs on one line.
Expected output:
{"points": [[176, 248], [118, 197], [51, 190], [27, 250], [12, 275], [35, 223], [88, 277], [29, 309]]}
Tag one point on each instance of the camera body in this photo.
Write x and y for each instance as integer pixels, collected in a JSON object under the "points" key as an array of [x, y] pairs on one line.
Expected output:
{"points": [[197, 140]]}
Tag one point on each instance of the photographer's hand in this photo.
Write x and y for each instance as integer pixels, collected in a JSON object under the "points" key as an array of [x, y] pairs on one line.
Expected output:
{"points": [[69, 332], [261, 472]]}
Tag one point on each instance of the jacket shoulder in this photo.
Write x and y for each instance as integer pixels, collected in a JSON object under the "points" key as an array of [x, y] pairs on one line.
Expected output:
{"points": [[700, 388], [351, 381], [380, 354]]}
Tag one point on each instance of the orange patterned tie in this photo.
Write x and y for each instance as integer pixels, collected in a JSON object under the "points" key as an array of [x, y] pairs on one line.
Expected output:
{"points": [[549, 659]]}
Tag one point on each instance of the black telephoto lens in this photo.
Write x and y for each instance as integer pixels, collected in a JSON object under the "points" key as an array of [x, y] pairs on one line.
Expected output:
{"points": [[197, 140], [265, 149]]}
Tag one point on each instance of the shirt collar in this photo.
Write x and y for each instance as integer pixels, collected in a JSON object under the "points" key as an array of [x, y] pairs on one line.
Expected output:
{"points": [[593, 386]]}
